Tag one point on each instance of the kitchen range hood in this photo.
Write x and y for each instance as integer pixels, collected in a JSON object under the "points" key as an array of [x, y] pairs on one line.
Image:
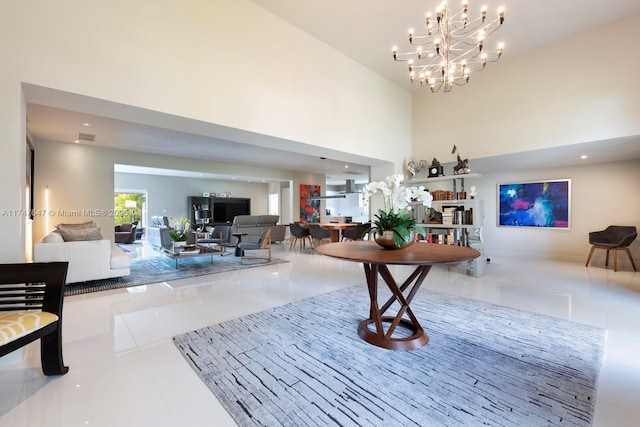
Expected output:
{"points": [[350, 187]]}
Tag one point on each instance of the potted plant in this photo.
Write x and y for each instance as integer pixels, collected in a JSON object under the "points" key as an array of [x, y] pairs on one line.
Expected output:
{"points": [[394, 227], [180, 232]]}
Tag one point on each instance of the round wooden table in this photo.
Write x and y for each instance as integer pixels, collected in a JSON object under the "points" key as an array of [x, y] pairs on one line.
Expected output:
{"points": [[376, 260]]}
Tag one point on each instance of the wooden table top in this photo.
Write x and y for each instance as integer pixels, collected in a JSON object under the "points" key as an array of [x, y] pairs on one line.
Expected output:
{"points": [[417, 254], [332, 225]]}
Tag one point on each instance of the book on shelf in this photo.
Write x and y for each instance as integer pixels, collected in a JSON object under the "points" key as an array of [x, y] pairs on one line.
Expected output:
{"points": [[442, 195]]}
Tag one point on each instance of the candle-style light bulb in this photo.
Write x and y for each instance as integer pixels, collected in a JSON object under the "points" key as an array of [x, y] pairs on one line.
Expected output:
{"points": [[410, 35], [395, 52], [480, 40], [501, 14], [484, 13]]}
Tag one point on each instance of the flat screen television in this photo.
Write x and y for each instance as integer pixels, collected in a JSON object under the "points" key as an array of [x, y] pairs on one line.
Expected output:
{"points": [[225, 209]]}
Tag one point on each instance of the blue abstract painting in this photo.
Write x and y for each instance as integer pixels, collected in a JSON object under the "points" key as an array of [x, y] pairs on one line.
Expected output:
{"points": [[535, 204]]}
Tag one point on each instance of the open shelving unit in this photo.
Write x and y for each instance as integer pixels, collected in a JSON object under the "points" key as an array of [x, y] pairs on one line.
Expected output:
{"points": [[465, 225]]}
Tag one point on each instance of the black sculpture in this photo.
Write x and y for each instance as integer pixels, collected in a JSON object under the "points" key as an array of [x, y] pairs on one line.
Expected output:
{"points": [[462, 166]]}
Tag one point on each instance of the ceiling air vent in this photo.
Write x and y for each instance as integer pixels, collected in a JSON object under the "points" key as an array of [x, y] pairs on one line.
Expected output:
{"points": [[86, 137]]}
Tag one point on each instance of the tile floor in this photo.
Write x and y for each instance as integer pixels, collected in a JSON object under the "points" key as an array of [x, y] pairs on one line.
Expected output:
{"points": [[125, 371]]}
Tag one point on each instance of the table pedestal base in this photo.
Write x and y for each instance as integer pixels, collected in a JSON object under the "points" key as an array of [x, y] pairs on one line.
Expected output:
{"points": [[382, 334], [416, 340]]}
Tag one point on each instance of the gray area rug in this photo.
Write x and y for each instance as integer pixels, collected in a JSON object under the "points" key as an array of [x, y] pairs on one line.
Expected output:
{"points": [[303, 364], [163, 269]]}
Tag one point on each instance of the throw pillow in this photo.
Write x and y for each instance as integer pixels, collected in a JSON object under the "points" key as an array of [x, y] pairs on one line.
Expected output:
{"points": [[53, 237], [71, 235], [88, 224]]}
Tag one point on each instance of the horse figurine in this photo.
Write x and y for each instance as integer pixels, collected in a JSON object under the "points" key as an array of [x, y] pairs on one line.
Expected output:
{"points": [[461, 166]]}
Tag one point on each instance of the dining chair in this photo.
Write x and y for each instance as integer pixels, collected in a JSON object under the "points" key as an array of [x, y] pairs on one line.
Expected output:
{"points": [[319, 234], [355, 233], [299, 233]]}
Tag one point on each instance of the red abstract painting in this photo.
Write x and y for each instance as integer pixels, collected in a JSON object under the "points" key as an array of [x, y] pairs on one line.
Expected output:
{"points": [[309, 209]]}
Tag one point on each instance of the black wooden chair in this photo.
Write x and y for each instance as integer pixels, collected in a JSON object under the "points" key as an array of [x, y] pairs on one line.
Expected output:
{"points": [[613, 238], [31, 297]]}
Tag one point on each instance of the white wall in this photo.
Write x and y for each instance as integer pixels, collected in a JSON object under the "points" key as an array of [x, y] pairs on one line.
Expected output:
{"points": [[167, 195]]}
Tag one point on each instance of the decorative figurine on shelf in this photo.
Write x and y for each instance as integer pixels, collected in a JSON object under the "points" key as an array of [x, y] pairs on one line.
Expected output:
{"points": [[473, 192], [462, 166], [435, 169], [415, 170]]}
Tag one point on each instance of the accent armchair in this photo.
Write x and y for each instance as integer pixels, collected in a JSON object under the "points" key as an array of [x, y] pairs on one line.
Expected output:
{"points": [[263, 244], [220, 235], [125, 233], [613, 238]]}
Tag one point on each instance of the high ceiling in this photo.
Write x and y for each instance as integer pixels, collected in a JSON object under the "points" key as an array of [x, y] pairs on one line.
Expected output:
{"points": [[364, 30]]}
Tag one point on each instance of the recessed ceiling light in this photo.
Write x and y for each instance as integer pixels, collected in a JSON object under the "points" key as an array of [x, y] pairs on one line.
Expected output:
{"points": [[86, 124], [346, 166], [584, 156], [76, 141]]}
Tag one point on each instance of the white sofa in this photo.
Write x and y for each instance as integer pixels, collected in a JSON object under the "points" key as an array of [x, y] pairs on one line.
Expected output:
{"points": [[88, 260]]}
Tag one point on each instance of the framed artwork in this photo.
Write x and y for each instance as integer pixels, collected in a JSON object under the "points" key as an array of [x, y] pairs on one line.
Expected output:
{"points": [[309, 209], [542, 204]]}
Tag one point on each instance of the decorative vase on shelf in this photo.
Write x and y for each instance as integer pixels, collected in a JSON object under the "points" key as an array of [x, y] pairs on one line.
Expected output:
{"points": [[387, 242]]}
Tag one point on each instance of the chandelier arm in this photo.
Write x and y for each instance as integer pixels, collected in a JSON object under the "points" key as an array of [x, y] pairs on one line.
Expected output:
{"points": [[437, 88], [461, 84]]}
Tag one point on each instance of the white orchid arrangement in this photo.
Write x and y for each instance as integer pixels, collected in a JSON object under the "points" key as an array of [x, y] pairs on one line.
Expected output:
{"points": [[396, 196], [180, 231], [397, 200]]}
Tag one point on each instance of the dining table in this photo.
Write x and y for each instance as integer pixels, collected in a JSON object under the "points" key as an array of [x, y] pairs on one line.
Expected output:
{"points": [[399, 331], [336, 228]]}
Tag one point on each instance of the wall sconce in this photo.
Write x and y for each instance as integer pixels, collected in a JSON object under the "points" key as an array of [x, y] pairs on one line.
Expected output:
{"points": [[46, 209]]}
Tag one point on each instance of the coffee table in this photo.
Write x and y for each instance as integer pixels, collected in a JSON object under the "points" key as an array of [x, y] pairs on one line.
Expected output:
{"points": [[202, 251], [375, 260]]}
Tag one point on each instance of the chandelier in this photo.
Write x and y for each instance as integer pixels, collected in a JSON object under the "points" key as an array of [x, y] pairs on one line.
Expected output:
{"points": [[453, 48]]}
